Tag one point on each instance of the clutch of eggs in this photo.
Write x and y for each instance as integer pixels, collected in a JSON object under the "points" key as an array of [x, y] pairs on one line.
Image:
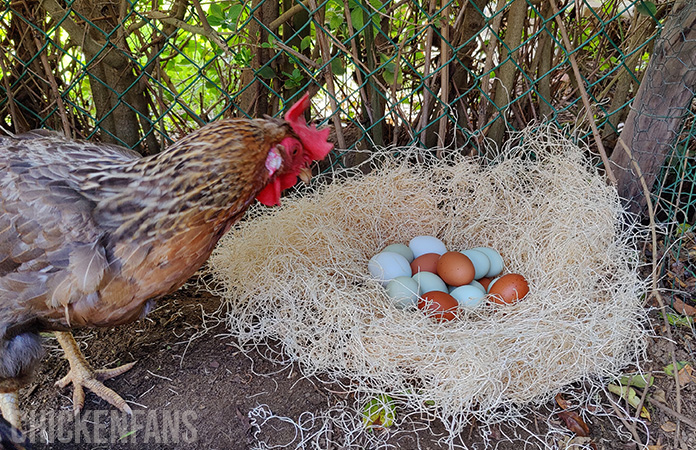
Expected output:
{"points": [[425, 275]]}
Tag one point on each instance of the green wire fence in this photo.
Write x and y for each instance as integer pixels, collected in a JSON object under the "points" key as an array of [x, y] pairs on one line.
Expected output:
{"points": [[441, 74]]}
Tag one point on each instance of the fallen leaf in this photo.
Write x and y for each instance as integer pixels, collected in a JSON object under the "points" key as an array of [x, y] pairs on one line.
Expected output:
{"points": [[629, 394], [562, 402], [655, 447], [660, 395], [686, 375], [574, 423], [669, 427], [669, 370], [379, 411], [638, 380]]}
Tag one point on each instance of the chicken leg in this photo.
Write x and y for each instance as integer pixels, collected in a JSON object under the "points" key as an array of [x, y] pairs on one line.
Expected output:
{"points": [[81, 375]]}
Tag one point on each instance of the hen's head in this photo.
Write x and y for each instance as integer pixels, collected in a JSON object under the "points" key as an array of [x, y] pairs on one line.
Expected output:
{"points": [[294, 154]]}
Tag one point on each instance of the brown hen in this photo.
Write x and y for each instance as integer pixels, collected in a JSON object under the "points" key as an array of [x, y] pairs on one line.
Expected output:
{"points": [[91, 235]]}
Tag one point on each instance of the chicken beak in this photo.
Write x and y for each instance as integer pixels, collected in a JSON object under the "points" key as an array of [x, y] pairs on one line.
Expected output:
{"points": [[305, 175]]}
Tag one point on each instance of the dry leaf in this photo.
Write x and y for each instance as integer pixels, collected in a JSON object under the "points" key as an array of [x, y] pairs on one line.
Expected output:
{"points": [[562, 402], [669, 427], [660, 395], [654, 447], [686, 375], [574, 423]]}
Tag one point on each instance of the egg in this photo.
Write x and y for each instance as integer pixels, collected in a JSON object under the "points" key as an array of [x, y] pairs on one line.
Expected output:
{"points": [[455, 269], [477, 285], [468, 296], [495, 259], [425, 263], [441, 305], [420, 245], [485, 282], [428, 281], [386, 266], [508, 289], [401, 249], [404, 292], [480, 261]]}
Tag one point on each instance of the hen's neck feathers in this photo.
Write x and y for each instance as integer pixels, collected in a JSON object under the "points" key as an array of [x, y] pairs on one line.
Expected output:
{"points": [[210, 175]]}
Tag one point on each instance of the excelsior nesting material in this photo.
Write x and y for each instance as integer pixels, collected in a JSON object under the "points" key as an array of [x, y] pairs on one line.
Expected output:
{"points": [[298, 274]]}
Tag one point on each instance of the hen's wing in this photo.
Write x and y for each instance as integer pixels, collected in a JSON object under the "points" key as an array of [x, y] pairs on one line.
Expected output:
{"points": [[52, 251]]}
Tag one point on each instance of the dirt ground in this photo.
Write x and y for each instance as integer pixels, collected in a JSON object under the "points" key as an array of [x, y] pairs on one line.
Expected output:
{"points": [[193, 388]]}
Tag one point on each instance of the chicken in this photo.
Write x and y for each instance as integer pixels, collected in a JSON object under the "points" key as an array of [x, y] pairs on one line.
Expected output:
{"points": [[91, 235]]}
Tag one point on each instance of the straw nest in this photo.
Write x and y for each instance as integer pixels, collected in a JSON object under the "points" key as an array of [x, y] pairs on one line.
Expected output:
{"points": [[298, 274]]}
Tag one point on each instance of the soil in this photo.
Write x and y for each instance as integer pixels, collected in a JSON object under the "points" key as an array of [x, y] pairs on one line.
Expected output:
{"points": [[192, 387]]}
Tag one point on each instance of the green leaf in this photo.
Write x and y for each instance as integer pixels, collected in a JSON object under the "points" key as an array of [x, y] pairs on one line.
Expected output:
{"points": [[306, 42], [380, 411], [215, 21], [669, 370], [233, 14], [215, 10], [356, 16], [680, 321], [266, 72], [337, 66], [638, 380], [647, 8]]}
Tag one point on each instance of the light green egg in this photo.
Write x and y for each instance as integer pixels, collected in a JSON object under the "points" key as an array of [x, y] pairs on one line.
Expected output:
{"points": [[401, 249], [429, 282], [468, 296], [404, 292]]}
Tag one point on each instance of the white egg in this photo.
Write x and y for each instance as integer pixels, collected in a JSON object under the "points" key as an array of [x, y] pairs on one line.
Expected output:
{"points": [[495, 259], [480, 261], [468, 296], [386, 266], [401, 249], [428, 281], [404, 292], [420, 245]]}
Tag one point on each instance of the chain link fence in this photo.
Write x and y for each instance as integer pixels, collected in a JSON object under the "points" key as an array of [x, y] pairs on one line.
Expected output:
{"points": [[441, 74]]}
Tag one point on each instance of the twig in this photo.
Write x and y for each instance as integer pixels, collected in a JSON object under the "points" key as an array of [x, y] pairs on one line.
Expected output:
{"points": [[54, 88], [583, 94], [328, 75], [630, 427], [679, 416], [289, 14], [208, 30]]}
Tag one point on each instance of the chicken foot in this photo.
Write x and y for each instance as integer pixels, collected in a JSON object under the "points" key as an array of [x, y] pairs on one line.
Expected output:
{"points": [[81, 375]]}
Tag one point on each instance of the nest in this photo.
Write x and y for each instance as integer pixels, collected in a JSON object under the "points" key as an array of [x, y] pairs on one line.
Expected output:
{"points": [[298, 275]]}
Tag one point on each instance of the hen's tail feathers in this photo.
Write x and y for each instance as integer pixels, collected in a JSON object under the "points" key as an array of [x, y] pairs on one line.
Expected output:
{"points": [[10, 437]]}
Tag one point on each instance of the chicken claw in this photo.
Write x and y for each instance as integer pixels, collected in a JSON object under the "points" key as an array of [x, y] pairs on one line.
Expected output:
{"points": [[82, 375]]}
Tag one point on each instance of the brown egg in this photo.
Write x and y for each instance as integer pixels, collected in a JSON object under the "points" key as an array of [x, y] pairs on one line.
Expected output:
{"points": [[485, 282], [455, 269], [440, 304], [508, 289], [425, 263]]}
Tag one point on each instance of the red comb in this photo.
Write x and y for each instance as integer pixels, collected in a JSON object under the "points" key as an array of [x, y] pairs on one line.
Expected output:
{"points": [[314, 141]]}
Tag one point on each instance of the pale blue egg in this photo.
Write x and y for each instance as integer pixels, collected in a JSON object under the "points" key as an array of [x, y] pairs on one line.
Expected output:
{"points": [[468, 296], [480, 261], [478, 285], [386, 266], [404, 292], [495, 259], [401, 249], [420, 245], [428, 281]]}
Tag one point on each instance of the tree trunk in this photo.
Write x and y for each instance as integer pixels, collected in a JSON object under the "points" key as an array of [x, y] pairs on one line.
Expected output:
{"points": [[660, 106]]}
